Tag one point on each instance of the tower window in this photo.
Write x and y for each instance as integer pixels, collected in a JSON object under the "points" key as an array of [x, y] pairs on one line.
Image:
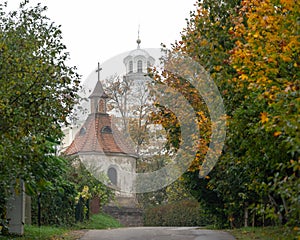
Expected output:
{"points": [[101, 106], [130, 67], [140, 66], [112, 175], [148, 64]]}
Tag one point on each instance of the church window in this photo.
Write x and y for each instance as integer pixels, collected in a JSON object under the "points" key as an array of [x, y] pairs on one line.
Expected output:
{"points": [[101, 106], [130, 67], [106, 129], [140, 66], [112, 175]]}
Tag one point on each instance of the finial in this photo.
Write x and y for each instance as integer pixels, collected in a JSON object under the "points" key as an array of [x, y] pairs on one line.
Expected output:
{"points": [[138, 41]]}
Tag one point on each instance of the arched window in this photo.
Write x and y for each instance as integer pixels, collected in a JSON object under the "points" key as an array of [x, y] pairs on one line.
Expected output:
{"points": [[130, 67], [101, 106], [140, 66], [106, 129], [148, 64], [112, 175]]}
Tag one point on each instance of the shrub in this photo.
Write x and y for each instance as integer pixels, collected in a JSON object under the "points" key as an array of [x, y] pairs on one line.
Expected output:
{"points": [[181, 213], [57, 206]]}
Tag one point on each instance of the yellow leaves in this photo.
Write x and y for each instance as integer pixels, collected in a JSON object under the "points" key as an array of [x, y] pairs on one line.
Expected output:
{"points": [[218, 68], [264, 48], [85, 194], [231, 31], [243, 77], [256, 35], [277, 133], [296, 228], [288, 4], [204, 42], [285, 58], [269, 60], [238, 43], [294, 43], [264, 117]]}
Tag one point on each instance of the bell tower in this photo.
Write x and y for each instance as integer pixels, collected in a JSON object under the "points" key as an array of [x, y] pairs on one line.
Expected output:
{"points": [[98, 98], [138, 61]]}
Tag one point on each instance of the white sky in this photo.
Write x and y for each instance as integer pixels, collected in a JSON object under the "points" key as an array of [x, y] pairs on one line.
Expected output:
{"points": [[97, 30]]}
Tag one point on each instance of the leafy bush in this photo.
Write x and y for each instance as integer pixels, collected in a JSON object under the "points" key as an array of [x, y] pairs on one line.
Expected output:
{"points": [[57, 206], [66, 200], [182, 213]]}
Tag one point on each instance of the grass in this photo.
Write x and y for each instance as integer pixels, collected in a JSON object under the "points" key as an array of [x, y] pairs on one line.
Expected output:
{"points": [[42, 233], [100, 221], [266, 233], [97, 221]]}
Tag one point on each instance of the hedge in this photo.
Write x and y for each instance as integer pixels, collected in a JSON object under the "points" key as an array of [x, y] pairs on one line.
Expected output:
{"points": [[181, 213]]}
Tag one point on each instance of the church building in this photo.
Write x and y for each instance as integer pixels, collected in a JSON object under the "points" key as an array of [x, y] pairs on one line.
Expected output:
{"points": [[102, 148], [105, 150]]}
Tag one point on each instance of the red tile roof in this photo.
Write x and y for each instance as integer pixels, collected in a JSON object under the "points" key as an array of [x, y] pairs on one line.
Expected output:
{"points": [[92, 138]]}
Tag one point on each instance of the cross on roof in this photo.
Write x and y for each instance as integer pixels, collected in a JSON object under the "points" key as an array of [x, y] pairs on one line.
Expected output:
{"points": [[98, 71]]}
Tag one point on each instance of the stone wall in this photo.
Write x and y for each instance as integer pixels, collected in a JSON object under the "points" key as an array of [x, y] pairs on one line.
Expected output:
{"points": [[127, 216]]}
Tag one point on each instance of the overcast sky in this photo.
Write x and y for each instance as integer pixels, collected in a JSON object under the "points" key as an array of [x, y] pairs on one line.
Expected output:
{"points": [[97, 30]]}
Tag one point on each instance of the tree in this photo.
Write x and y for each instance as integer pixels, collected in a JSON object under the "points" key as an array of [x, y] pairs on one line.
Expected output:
{"points": [[37, 92], [266, 58], [118, 91], [251, 50], [206, 41], [131, 101]]}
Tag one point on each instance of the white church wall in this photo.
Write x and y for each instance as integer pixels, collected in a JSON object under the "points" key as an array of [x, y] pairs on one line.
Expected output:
{"points": [[124, 165]]}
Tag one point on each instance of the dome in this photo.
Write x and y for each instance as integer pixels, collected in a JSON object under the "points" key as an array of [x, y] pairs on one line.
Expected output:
{"points": [[139, 52], [138, 60]]}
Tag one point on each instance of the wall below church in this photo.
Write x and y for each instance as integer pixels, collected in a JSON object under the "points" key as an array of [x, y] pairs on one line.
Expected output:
{"points": [[127, 216]]}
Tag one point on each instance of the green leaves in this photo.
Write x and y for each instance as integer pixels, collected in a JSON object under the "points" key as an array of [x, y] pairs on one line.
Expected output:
{"points": [[34, 102]]}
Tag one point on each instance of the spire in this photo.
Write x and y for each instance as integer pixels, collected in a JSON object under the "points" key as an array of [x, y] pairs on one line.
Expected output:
{"points": [[138, 41], [98, 90], [98, 96]]}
